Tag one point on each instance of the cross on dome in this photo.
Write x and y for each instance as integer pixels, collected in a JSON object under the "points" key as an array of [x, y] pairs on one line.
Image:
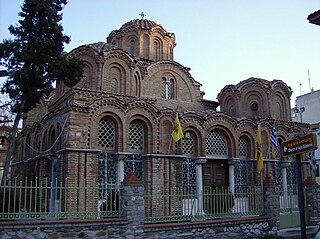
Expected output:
{"points": [[142, 15]]}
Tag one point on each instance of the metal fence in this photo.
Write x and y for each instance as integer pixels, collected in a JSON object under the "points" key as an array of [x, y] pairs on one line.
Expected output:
{"points": [[176, 204], [47, 199]]}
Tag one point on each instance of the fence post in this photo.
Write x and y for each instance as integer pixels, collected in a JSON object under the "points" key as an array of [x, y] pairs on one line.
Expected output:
{"points": [[132, 205], [272, 206]]}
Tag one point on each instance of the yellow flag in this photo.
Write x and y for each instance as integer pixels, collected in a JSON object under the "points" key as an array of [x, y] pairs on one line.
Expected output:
{"points": [[177, 133], [259, 151]]}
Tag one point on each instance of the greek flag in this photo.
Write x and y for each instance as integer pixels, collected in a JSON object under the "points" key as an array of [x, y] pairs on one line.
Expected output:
{"points": [[313, 161], [274, 138]]}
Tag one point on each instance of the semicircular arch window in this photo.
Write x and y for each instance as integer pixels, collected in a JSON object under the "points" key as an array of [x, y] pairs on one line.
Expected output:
{"points": [[188, 144], [216, 144], [106, 134]]}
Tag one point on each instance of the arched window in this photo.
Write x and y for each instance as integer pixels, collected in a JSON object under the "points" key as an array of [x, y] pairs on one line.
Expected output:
{"points": [[188, 144], [136, 136], [170, 89], [137, 86], [167, 88], [36, 144], [114, 86], [52, 139], [156, 50], [243, 148], [59, 135], [278, 110], [164, 88], [216, 144], [45, 141], [132, 47], [106, 134], [277, 150]]}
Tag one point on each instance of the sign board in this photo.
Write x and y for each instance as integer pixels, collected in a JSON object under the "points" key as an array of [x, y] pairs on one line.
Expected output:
{"points": [[299, 145]]}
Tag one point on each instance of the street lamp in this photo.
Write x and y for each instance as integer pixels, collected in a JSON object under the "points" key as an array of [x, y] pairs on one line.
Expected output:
{"points": [[300, 111]]}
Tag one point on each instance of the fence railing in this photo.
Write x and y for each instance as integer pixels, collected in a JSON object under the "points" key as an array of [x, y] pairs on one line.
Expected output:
{"points": [[46, 199], [178, 204]]}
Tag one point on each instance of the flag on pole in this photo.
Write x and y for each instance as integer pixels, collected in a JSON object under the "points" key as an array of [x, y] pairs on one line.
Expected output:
{"points": [[259, 150], [177, 133], [313, 161], [274, 138]]}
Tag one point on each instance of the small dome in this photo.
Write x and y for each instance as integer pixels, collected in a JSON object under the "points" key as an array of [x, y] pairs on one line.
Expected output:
{"points": [[135, 24], [140, 24], [144, 38]]}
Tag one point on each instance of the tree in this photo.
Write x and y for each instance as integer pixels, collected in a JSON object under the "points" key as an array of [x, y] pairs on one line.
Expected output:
{"points": [[6, 116], [34, 60]]}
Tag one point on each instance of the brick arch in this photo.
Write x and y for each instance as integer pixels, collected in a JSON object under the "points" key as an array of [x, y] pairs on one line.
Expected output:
{"points": [[126, 43], [115, 71], [136, 85], [52, 136], [258, 96], [247, 130], [225, 131], [281, 105], [97, 115], [135, 115], [230, 105], [198, 140], [145, 45]]}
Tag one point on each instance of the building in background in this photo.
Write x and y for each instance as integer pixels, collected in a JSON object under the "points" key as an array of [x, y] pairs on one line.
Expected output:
{"points": [[307, 110]]}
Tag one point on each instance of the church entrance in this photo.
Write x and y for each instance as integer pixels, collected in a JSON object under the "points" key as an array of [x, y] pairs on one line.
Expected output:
{"points": [[215, 173]]}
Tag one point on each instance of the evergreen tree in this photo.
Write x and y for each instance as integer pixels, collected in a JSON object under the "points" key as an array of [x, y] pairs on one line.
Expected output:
{"points": [[34, 59]]}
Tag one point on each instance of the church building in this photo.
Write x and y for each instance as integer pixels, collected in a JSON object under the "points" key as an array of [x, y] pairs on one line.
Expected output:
{"points": [[119, 119]]}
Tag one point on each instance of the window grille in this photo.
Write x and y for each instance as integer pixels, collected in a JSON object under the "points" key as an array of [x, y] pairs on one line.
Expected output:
{"points": [[188, 144], [291, 175], [277, 151], [216, 144], [134, 164], [132, 46], [189, 173], [170, 89], [136, 136], [114, 86], [164, 88], [241, 173], [107, 176], [167, 88], [106, 134], [276, 167], [156, 49], [243, 148]]}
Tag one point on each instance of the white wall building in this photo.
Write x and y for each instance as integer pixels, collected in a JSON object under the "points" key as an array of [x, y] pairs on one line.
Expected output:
{"points": [[307, 110]]}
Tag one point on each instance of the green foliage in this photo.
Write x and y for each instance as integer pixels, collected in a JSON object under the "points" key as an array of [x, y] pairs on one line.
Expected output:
{"points": [[34, 59]]}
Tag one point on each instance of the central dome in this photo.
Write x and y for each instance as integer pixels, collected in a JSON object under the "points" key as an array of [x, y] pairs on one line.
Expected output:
{"points": [[139, 24], [144, 38]]}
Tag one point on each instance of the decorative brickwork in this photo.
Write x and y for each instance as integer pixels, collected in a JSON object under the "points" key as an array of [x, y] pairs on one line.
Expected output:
{"points": [[125, 106]]}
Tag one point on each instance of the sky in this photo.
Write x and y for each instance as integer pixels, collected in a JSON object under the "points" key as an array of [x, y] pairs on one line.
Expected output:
{"points": [[222, 41]]}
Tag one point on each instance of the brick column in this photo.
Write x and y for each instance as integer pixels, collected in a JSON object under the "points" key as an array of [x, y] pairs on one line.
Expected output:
{"points": [[272, 206], [132, 205]]}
